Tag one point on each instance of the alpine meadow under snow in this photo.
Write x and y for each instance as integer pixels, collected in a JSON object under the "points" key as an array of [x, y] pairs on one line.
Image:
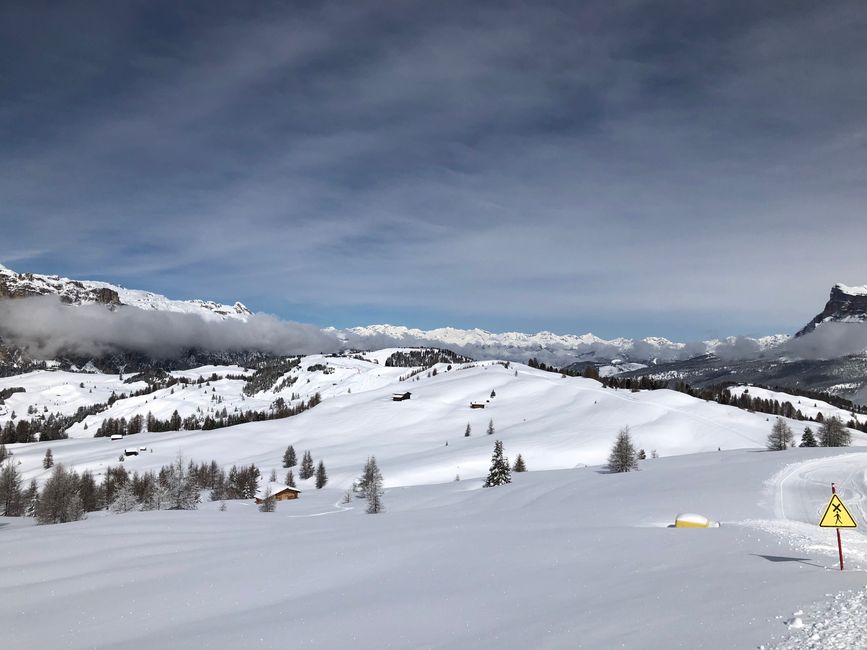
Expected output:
{"points": [[566, 555]]}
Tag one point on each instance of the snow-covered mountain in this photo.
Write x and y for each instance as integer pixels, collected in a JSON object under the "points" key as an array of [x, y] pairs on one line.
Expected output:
{"points": [[86, 292], [561, 348], [846, 305]]}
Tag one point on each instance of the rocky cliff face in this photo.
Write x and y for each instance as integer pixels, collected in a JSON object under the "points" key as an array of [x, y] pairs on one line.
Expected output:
{"points": [[26, 285], [847, 305]]}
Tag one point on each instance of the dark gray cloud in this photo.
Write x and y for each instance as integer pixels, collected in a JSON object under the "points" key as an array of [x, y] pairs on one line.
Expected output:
{"points": [[47, 327], [514, 165]]}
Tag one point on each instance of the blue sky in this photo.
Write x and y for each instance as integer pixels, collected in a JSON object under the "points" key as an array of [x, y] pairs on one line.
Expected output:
{"points": [[678, 169]]}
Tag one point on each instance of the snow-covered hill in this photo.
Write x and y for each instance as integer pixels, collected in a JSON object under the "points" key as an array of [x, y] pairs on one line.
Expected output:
{"points": [[555, 422]]}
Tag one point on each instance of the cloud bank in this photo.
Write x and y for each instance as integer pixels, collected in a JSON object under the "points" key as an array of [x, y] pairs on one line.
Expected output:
{"points": [[48, 328]]}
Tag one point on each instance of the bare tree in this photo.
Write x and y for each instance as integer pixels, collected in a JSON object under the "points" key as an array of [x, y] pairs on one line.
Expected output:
{"points": [[781, 436]]}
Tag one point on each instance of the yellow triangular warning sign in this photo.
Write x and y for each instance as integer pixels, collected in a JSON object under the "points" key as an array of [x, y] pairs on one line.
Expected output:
{"points": [[836, 515]]}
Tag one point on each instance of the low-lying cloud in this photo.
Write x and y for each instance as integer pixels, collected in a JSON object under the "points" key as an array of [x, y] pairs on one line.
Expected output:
{"points": [[48, 328]]}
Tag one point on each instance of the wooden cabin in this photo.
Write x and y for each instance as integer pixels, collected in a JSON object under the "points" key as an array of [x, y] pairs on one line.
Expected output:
{"points": [[130, 452], [399, 397], [279, 493], [117, 436], [477, 405]]}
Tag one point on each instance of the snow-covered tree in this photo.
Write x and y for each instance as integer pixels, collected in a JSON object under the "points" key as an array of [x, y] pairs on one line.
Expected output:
{"points": [[290, 479], [623, 457], [519, 466], [468, 431], [124, 500], [780, 437], [181, 488], [834, 433], [321, 476], [289, 459], [272, 478], [490, 430], [48, 459], [31, 499], [808, 439], [499, 474]]}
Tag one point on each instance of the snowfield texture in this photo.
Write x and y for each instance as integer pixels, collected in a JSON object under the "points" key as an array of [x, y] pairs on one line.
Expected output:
{"points": [[562, 559]]}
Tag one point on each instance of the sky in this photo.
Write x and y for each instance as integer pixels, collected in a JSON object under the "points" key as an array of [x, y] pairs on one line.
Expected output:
{"points": [[679, 169]]}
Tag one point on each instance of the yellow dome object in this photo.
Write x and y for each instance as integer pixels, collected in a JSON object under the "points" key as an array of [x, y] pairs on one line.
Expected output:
{"points": [[692, 520]]}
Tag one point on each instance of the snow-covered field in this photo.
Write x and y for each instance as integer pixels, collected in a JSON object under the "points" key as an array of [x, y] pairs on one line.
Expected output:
{"points": [[561, 559], [554, 422], [572, 557]]}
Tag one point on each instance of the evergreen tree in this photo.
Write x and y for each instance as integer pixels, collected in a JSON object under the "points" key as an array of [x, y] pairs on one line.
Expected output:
{"points": [[642, 455], [31, 499], [59, 501], [321, 476], [519, 466], [623, 457], [290, 479], [180, 488], [11, 498], [467, 431], [490, 430], [272, 478], [124, 500], [307, 470], [493, 394], [289, 459], [499, 474], [48, 460], [268, 503], [833, 433], [4, 454], [780, 437], [373, 486], [808, 439], [88, 492]]}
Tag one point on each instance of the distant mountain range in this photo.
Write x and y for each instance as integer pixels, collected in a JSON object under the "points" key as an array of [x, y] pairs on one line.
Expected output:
{"points": [[827, 353]]}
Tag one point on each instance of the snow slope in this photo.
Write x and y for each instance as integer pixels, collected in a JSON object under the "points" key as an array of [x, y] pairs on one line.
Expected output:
{"points": [[555, 422], [562, 559]]}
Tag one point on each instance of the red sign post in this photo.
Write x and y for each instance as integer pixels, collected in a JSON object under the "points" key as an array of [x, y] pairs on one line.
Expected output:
{"points": [[836, 516]]}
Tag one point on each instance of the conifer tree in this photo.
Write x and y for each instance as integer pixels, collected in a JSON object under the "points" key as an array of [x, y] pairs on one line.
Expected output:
{"points": [[307, 470], [48, 460], [290, 479], [622, 457], [289, 459], [4, 454], [642, 455], [780, 437], [493, 394], [59, 501], [808, 439], [180, 486], [321, 476], [467, 431], [124, 500], [267, 504], [499, 474], [519, 466], [372, 479], [272, 478], [833, 433], [490, 430], [11, 498], [31, 499]]}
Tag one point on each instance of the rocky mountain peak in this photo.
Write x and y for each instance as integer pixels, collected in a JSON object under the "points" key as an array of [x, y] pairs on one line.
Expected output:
{"points": [[846, 305]]}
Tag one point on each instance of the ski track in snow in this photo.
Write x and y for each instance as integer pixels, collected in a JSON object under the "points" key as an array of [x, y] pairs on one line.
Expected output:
{"points": [[800, 494]]}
